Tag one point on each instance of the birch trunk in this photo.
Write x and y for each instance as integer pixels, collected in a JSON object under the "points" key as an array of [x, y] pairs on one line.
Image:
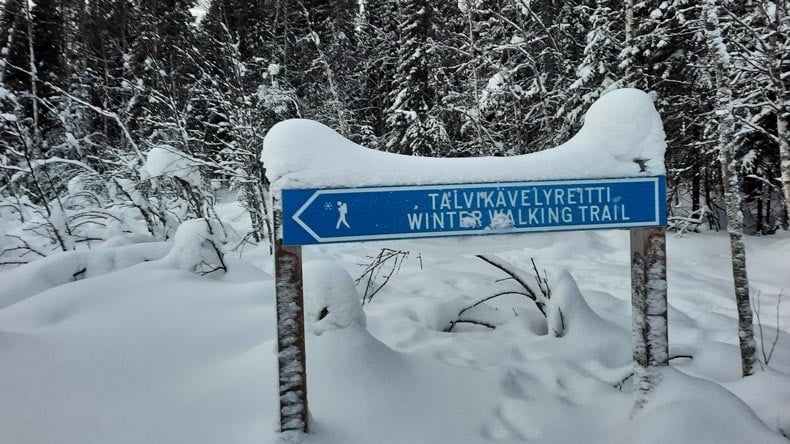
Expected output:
{"points": [[629, 20], [731, 181]]}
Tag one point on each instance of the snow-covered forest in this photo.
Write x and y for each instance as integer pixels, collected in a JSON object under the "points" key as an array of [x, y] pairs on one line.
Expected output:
{"points": [[89, 89], [137, 203]]}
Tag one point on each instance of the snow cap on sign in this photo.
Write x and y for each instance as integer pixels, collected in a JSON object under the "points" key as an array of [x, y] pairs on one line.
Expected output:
{"points": [[622, 136]]}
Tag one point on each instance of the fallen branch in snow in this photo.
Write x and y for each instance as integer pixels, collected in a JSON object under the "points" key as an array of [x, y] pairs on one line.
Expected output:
{"points": [[469, 321], [79, 274], [13, 263], [619, 385]]}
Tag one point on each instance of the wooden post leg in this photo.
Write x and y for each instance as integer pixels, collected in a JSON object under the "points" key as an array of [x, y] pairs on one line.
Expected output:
{"points": [[649, 309], [292, 371]]}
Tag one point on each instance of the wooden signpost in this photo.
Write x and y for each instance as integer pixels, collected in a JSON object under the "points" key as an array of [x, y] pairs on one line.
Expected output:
{"points": [[291, 353], [317, 216]]}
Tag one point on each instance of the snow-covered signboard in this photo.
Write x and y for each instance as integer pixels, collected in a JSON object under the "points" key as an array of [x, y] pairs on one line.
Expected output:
{"points": [[314, 216], [327, 189]]}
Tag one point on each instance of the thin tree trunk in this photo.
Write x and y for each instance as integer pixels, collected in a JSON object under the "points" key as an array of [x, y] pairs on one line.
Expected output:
{"points": [[776, 57], [760, 224], [713, 218], [769, 225], [731, 181], [629, 20], [33, 79], [695, 191], [784, 156]]}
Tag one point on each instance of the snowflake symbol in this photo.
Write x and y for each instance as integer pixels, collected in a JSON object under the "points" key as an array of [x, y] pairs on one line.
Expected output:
{"points": [[328, 205]]}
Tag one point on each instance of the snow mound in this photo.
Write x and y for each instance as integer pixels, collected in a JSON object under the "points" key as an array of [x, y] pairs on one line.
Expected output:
{"points": [[196, 246], [569, 313], [331, 298], [764, 391], [28, 280], [687, 409], [165, 160], [141, 355], [622, 136]]}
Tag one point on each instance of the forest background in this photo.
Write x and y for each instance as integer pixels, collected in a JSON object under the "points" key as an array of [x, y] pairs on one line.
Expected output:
{"points": [[129, 116]]}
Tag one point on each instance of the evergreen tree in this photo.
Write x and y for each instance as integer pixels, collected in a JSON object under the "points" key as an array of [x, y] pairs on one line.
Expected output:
{"points": [[322, 69], [412, 128], [49, 21], [376, 47], [13, 38], [664, 56], [163, 71], [598, 70]]}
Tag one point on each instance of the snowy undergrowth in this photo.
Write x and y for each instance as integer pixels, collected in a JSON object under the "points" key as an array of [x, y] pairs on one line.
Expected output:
{"points": [[140, 349]]}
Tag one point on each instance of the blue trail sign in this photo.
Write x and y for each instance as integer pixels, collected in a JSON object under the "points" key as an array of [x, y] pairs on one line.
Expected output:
{"points": [[316, 216]]}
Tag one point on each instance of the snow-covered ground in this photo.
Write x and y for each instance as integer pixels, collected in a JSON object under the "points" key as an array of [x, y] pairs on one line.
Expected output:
{"points": [[141, 351], [136, 341]]}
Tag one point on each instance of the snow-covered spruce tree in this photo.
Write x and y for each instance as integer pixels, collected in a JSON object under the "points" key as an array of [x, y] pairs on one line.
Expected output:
{"points": [[569, 24], [32, 125], [13, 35], [49, 42], [318, 59], [663, 55], [460, 94], [598, 71], [412, 128], [721, 64], [772, 46], [243, 23], [499, 66], [163, 73], [450, 80], [759, 43], [165, 103], [106, 35], [377, 35], [532, 50]]}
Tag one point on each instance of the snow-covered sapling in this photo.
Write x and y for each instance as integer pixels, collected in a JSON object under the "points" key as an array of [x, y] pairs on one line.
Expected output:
{"points": [[541, 297], [387, 259], [767, 355]]}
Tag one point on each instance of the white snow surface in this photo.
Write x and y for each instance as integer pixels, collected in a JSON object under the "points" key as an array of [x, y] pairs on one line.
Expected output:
{"points": [[620, 128], [139, 350]]}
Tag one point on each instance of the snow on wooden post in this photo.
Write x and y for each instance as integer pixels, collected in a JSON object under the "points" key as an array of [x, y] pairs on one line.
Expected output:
{"points": [[649, 309], [292, 370]]}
